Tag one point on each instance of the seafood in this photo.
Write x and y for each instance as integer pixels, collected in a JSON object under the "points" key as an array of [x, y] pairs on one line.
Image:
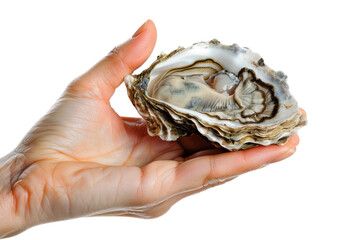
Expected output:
{"points": [[227, 94]]}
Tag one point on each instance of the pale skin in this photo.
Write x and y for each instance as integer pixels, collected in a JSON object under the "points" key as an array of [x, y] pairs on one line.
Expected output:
{"points": [[83, 159]]}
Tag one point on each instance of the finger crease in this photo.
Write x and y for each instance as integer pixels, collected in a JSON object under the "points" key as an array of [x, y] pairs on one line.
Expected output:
{"points": [[125, 65], [211, 174]]}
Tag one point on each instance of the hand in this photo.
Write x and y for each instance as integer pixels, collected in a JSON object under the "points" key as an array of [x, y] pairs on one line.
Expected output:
{"points": [[83, 159]]}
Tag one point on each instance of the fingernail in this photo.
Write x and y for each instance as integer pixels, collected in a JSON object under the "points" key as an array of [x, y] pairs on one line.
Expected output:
{"points": [[283, 156], [140, 30], [287, 154]]}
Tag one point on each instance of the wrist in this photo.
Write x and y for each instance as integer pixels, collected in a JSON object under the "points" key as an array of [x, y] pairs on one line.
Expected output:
{"points": [[10, 224], [8, 230], [11, 167]]}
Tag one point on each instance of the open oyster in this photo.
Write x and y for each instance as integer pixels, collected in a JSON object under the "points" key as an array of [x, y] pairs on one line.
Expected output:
{"points": [[225, 93]]}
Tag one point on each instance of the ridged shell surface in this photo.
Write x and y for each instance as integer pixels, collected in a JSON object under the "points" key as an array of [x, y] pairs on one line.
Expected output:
{"points": [[227, 94]]}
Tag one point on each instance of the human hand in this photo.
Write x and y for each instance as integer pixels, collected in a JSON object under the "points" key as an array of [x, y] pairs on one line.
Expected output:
{"points": [[83, 159]]}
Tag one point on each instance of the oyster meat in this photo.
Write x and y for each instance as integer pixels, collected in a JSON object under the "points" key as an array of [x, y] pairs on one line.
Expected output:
{"points": [[225, 93]]}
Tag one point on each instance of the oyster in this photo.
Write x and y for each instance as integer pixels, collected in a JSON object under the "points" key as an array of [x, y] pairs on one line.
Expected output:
{"points": [[225, 93]]}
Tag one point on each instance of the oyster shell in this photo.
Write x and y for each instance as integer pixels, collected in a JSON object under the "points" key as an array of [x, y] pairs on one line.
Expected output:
{"points": [[225, 93]]}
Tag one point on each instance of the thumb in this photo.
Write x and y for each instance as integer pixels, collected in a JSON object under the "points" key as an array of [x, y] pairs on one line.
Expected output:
{"points": [[102, 79]]}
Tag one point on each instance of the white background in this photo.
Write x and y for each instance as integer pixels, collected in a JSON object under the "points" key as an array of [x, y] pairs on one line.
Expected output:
{"points": [[312, 195]]}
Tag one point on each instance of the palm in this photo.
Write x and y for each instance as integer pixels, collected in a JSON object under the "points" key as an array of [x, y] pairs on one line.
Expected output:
{"points": [[91, 131], [83, 138]]}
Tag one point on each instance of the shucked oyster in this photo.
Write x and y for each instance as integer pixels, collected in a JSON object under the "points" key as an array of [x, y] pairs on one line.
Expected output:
{"points": [[225, 93]]}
